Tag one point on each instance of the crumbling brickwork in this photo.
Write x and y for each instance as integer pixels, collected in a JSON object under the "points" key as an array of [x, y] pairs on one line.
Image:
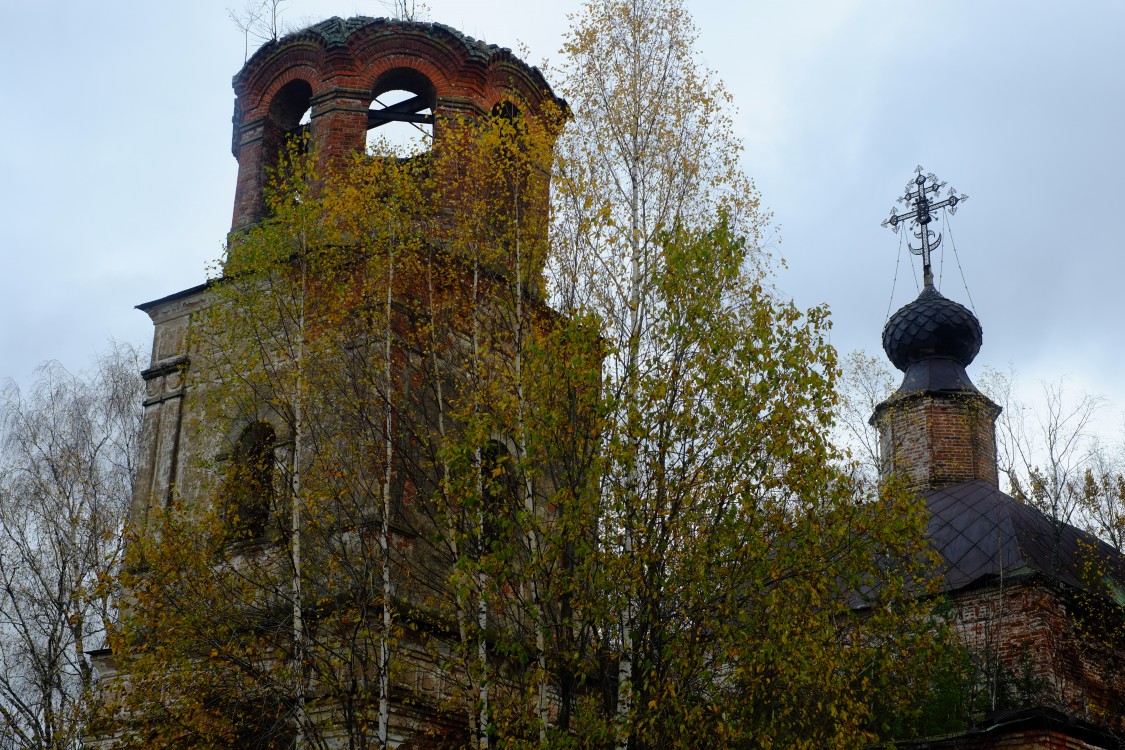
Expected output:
{"points": [[338, 67], [938, 439], [332, 72], [1049, 645], [1018, 738]]}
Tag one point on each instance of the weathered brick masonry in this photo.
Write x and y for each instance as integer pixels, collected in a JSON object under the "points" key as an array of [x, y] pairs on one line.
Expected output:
{"points": [[338, 67], [1027, 623], [938, 440]]}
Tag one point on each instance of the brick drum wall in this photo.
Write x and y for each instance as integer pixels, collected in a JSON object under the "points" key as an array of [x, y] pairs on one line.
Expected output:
{"points": [[937, 440]]}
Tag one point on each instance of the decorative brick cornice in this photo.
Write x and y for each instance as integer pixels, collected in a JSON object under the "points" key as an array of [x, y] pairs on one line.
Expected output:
{"points": [[337, 67]]}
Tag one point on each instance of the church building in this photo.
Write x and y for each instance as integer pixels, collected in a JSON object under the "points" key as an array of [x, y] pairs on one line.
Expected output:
{"points": [[1035, 600]]}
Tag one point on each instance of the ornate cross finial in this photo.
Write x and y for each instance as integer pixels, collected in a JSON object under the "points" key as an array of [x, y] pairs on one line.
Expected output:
{"points": [[920, 198]]}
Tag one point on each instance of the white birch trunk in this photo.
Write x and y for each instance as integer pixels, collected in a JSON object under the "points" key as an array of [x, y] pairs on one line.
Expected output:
{"points": [[385, 531], [461, 605], [482, 579], [295, 519], [529, 491], [625, 663]]}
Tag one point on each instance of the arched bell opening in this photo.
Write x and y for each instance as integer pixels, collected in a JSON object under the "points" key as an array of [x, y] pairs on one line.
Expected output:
{"points": [[506, 109], [400, 119], [512, 144], [499, 496], [290, 116]]}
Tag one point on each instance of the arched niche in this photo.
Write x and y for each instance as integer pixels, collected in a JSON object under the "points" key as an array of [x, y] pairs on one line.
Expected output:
{"points": [[499, 494], [247, 495]]}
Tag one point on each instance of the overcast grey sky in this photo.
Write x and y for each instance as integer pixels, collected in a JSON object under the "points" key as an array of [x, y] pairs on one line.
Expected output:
{"points": [[117, 178]]}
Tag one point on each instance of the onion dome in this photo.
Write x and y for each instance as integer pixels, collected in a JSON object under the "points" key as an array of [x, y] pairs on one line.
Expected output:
{"points": [[932, 327]]}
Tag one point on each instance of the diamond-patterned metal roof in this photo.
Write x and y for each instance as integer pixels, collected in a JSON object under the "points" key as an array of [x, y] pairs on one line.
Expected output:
{"points": [[983, 534]]}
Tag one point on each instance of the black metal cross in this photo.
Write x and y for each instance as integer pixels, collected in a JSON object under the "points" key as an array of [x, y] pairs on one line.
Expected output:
{"points": [[920, 197]]}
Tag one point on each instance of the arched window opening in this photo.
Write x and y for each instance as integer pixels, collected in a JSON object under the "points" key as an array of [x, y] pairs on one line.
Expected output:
{"points": [[291, 112], [248, 491], [510, 148], [506, 110], [400, 120], [499, 495], [302, 134], [516, 190]]}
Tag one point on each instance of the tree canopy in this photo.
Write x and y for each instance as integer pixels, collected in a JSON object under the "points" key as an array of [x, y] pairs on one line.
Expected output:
{"points": [[68, 447], [536, 469]]}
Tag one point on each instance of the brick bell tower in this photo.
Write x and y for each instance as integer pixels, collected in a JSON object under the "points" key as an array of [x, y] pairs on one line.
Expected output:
{"points": [[937, 429], [334, 83], [331, 80]]}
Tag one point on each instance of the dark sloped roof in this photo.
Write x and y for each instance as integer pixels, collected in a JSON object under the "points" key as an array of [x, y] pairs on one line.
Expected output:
{"points": [[983, 534], [936, 375]]}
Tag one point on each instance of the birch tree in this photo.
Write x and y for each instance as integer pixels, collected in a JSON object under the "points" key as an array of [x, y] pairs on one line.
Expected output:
{"points": [[382, 342], [67, 451], [296, 345], [717, 399], [650, 150]]}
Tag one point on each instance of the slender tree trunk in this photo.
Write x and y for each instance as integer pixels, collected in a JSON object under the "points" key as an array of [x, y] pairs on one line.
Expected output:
{"points": [[295, 514], [533, 543], [384, 536], [461, 605], [482, 577], [625, 663]]}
